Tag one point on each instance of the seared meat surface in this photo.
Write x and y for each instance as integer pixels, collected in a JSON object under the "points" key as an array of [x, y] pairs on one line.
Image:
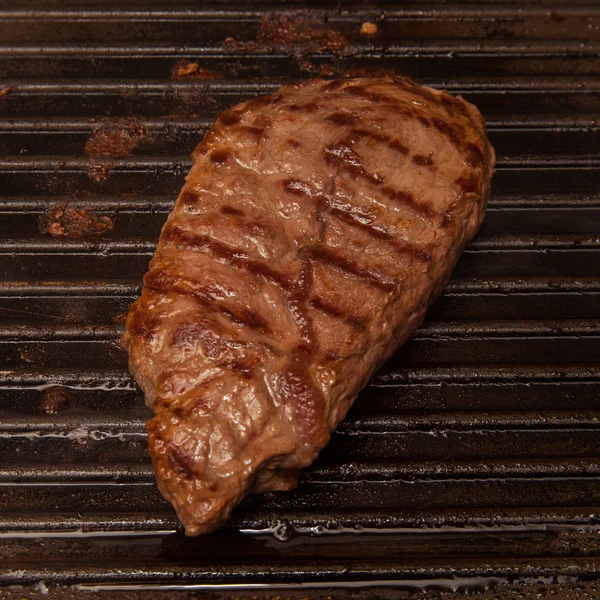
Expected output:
{"points": [[315, 228]]}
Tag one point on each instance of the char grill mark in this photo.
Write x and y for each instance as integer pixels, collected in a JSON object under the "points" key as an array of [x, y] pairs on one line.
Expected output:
{"points": [[210, 298], [298, 308], [343, 156], [334, 310], [334, 258], [183, 239]]}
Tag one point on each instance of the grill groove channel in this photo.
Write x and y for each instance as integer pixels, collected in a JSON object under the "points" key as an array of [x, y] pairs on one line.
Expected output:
{"points": [[471, 458]]}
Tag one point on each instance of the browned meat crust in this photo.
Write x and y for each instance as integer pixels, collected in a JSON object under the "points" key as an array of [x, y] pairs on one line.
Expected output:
{"points": [[315, 228]]}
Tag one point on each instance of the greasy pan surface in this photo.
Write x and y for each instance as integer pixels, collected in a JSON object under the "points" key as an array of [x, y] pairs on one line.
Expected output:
{"points": [[471, 460]]}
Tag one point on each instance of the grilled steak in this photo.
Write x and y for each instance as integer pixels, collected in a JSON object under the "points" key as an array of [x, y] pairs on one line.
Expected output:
{"points": [[315, 228]]}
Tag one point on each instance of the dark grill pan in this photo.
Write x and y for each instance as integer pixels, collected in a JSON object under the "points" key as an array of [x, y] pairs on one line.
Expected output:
{"points": [[470, 463]]}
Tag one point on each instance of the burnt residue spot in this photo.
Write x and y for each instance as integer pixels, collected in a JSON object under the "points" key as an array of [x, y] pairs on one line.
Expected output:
{"points": [[55, 399], [115, 137], [63, 220], [98, 172], [230, 210], [423, 161], [309, 32], [184, 69], [298, 34], [33, 355]]}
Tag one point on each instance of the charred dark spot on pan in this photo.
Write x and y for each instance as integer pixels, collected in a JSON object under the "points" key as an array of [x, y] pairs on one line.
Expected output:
{"points": [[475, 155], [63, 220], [116, 137], [341, 118], [468, 184], [180, 461], [55, 399], [344, 157], [423, 161], [345, 264], [296, 187], [220, 157]]}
